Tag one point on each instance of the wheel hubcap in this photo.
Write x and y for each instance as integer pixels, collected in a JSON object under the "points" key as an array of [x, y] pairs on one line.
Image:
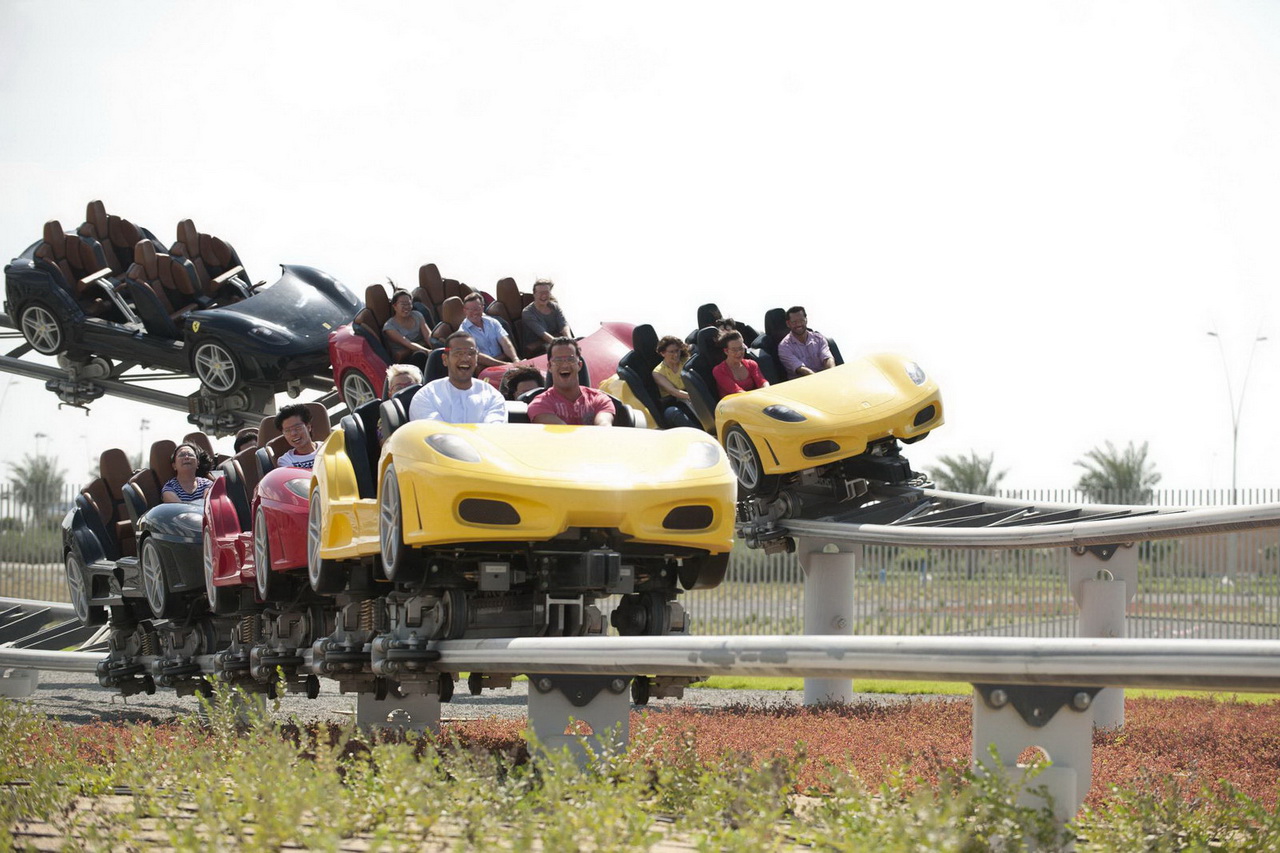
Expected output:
{"points": [[41, 329], [356, 390], [79, 591], [261, 554], [389, 518], [215, 367], [210, 589], [313, 540], [742, 459], [153, 579]]}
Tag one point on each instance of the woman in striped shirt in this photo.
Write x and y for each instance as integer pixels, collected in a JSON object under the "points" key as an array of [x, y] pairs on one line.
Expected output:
{"points": [[189, 484]]}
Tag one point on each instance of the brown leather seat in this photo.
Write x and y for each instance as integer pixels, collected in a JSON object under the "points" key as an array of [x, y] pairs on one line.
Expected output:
{"points": [[506, 306], [115, 470], [210, 257], [433, 290], [203, 441], [76, 258], [116, 235], [451, 317], [148, 482], [169, 279]]}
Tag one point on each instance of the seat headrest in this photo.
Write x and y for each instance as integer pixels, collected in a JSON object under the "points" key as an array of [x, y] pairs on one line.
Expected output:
{"points": [[114, 467], [775, 323], [54, 236], [144, 255], [161, 458], [707, 346], [644, 339], [451, 311], [95, 215], [429, 278], [216, 250], [707, 315], [188, 236], [377, 301], [200, 440], [436, 368]]}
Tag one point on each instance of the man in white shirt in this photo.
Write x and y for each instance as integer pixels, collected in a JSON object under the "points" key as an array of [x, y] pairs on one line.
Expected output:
{"points": [[492, 344], [459, 398], [294, 422]]}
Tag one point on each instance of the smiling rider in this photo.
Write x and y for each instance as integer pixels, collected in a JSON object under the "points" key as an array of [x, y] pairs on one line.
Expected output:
{"points": [[459, 398], [294, 422], [566, 401]]}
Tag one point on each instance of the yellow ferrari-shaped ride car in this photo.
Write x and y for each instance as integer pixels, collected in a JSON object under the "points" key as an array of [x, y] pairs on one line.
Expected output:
{"points": [[565, 510], [813, 421]]}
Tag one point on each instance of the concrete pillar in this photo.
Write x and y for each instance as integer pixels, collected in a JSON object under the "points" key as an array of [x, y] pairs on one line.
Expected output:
{"points": [[828, 607], [1102, 587]]}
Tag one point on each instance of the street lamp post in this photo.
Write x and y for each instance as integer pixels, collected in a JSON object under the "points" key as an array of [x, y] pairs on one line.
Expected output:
{"points": [[1236, 406]]}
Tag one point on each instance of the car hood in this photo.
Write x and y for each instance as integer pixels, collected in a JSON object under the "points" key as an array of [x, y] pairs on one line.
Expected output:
{"points": [[617, 457], [304, 304], [846, 389]]}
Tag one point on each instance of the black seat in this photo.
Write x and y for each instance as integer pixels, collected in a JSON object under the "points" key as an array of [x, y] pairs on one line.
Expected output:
{"points": [[360, 431], [766, 345], [436, 368], [394, 413], [698, 378], [636, 369]]}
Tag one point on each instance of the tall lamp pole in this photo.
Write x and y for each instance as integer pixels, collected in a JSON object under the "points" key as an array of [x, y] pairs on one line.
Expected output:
{"points": [[1236, 406]]}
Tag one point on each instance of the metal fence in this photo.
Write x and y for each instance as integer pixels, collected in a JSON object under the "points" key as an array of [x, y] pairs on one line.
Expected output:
{"points": [[1209, 587]]}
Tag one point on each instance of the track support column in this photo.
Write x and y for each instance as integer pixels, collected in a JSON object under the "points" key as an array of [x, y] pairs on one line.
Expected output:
{"points": [[17, 683], [1103, 581], [585, 713], [828, 606], [1053, 720], [413, 712]]}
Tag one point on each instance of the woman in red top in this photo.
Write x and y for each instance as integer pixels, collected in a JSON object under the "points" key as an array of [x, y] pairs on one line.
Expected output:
{"points": [[736, 373]]}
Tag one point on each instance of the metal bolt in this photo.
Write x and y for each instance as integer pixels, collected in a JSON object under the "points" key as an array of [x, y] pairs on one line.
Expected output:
{"points": [[618, 685], [839, 623], [1081, 700], [999, 698], [544, 684]]}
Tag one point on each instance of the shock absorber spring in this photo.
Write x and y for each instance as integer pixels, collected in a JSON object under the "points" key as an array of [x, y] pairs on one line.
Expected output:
{"points": [[367, 614], [148, 646], [246, 627]]}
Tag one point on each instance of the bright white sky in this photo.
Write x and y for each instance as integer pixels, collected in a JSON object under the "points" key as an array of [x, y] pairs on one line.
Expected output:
{"points": [[1046, 205]]}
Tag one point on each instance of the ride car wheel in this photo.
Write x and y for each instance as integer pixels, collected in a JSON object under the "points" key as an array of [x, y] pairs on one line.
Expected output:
{"points": [[81, 596], [356, 389], [326, 576], [398, 562], [215, 367], [223, 601], [159, 597], [42, 329], [272, 585], [747, 466]]}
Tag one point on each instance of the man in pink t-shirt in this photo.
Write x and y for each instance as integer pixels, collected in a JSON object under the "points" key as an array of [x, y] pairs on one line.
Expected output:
{"points": [[566, 401]]}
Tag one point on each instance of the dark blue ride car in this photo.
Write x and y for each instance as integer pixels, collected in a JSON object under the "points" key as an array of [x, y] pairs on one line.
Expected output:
{"points": [[163, 311]]}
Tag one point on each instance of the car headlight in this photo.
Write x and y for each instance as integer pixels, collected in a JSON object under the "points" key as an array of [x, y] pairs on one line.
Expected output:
{"points": [[780, 412], [702, 454], [915, 373], [453, 446], [190, 519], [266, 334], [300, 486]]}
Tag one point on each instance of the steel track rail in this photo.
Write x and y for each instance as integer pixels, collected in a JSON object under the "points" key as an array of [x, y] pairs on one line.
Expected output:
{"points": [[1245, 665], [936, 519]]}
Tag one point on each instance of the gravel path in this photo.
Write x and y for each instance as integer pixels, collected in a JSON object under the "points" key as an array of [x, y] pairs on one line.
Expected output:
{"points": [[77, 698]]}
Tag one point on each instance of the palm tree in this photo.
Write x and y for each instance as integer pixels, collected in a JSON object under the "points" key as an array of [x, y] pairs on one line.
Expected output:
{"points": [[37, 483], [970, 474], [1118, 477]]}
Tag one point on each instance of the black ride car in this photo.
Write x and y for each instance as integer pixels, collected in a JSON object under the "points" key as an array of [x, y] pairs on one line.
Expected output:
{"points": [[69, 294]]}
